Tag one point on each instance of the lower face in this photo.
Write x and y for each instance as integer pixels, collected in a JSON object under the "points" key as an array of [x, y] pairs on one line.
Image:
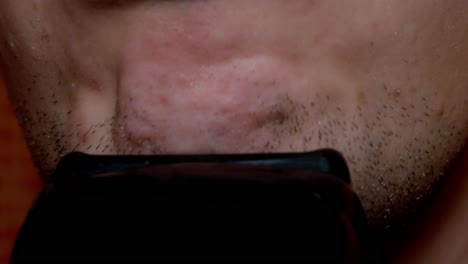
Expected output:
{"points": [[385, 83]]}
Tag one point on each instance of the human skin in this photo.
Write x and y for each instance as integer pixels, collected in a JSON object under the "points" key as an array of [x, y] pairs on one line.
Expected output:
{"points": [[439, 233], [383, 82]]}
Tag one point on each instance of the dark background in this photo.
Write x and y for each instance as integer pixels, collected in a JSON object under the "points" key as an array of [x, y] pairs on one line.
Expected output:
{"points": [[19, 181]]}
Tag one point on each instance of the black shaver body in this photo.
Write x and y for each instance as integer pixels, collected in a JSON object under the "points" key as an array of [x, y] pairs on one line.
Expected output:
{"points": [[265, 207]]}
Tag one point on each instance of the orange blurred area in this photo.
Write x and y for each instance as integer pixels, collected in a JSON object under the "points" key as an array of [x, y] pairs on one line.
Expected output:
{"points": [[19, 180]]}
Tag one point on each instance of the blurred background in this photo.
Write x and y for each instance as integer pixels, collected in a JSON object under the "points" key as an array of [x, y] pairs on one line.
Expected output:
{"points": [[19, 180]]}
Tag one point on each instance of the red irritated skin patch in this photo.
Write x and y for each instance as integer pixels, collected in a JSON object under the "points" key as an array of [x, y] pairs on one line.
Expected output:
{"points": [[198, 108], [194, 85]]}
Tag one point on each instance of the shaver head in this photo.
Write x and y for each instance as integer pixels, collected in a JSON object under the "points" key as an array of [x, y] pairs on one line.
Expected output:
{"points": [[196, 208]]}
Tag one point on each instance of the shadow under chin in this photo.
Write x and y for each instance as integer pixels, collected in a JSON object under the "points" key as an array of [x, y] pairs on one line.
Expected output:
{"points": [[408, 235]]}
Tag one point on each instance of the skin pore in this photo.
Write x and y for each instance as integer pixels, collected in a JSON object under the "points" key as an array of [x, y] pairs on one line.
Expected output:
{"points": [[383, 82]]}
